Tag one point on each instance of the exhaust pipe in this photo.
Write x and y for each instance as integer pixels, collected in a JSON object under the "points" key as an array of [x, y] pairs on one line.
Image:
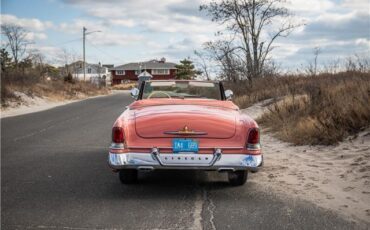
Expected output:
{"points": [[226, 170], [145, 168]]}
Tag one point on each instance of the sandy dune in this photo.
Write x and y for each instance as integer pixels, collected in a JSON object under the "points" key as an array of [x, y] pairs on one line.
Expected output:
{"points": [[36, 104], [333, 177], [30, 105]]}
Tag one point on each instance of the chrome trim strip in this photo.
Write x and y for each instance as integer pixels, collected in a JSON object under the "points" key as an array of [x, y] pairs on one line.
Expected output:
{"points": [[216, 161], [117, 146], [137, 147], [183, 133], [254, 146]]}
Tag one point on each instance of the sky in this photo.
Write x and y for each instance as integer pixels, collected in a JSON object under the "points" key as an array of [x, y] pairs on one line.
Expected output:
{"points": [[139, 30]]}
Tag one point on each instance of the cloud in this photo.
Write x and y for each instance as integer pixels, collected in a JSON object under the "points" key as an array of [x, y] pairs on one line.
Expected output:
{"points": [[36, 36], [339, 32], [333, 26], [173, 16], [75, 27], [363, 42], [177, 49], [104, 35], [310, 7], [171, 28], [35, 29], [122, 22], [360, 5], [27, 23], [114, 39], [53, 55]]}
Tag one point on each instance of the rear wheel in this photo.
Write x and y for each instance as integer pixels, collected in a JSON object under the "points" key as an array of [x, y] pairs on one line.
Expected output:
{"points": [[128, 176], [238, 178]]}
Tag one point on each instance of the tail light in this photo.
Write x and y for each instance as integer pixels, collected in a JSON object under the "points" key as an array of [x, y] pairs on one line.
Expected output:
{"points": [[253, 142], [117, 135]]}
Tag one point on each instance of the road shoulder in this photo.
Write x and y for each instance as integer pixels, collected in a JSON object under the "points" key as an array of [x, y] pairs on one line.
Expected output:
{"points": [[37, 104], [332, 177]]}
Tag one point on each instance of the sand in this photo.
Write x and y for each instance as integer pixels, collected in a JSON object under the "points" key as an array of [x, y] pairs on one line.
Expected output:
{"points": [[30, 105], [332, 177], [35, 104]]}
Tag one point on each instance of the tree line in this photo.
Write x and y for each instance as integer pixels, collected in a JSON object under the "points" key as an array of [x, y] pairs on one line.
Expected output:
{"points": [[17, 61]]}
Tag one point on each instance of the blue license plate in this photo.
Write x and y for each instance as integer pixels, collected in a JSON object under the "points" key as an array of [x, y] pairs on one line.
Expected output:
{"points": [[184, 145]]}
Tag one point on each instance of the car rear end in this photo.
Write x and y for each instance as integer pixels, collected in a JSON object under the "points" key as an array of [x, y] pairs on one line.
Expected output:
{"points": [[185, 136]]}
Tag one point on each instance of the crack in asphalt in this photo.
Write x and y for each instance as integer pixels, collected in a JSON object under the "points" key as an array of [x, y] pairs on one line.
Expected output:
{"points": [[197, 213], [211, 207], [44, 129], [33, 133], [203, 204], [60, 227]]}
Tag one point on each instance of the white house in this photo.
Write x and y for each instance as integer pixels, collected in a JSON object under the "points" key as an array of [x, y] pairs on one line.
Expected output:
{"points": [[94, 72]]}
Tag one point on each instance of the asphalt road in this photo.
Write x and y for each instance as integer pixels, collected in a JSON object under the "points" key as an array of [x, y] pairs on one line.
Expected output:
{"points": [[54, 175]]}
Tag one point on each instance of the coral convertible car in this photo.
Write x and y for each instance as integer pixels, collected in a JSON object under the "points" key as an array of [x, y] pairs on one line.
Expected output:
{"points": [[184, 125]]}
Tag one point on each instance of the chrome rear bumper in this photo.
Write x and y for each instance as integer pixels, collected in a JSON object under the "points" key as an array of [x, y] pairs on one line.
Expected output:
{"points": [[216, 161]]}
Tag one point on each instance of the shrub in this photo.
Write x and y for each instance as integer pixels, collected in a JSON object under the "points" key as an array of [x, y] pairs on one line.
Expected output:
{"points": [[321, 109], [329, 109], [69, 78]]}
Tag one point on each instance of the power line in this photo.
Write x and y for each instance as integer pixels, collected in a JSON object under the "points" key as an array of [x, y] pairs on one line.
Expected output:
{"points": [[103, 51], [66, 42]]}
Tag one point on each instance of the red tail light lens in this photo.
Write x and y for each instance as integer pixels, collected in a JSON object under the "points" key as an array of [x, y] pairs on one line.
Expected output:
{"points": [[254, 139], [254, 136], [117, 135]]}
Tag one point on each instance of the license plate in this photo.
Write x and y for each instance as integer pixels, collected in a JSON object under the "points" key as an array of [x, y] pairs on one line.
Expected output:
{"points": [[184, 145]]}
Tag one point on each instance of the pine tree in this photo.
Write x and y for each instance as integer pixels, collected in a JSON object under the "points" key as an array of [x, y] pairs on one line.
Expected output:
{"points": [[6, 61], [186, 70]]}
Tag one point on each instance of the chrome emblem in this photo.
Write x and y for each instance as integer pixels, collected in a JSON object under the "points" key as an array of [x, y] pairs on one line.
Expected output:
{"points": [[185, 131]]}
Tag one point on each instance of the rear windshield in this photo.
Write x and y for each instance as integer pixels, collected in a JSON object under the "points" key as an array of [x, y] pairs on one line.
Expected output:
{"points": [[183, 90]]}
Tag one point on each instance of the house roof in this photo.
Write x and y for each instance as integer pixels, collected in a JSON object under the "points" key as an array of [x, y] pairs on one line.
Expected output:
{"points": [[87, 65], [145, 74], [153, 64]]}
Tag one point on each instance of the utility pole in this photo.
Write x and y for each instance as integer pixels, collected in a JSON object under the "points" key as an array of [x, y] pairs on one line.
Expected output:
{"points": [[83, 38], [83, 44]]}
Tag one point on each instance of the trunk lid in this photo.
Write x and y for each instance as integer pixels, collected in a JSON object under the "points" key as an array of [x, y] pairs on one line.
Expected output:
{"points": [[199, 121]]}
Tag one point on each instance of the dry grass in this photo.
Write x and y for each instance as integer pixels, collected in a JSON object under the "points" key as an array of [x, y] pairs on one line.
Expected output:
{"points": [[315, 110], [125, 86], [266, 88], [56, 90]]}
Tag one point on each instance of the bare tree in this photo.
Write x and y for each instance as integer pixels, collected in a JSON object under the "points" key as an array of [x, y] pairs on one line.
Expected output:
{"points": [[363, 63], [203, 64], [64, 58], [67, 58], [316, 53], [231, 64], [251, 20], [332, 66], [357, 63], [312, 66], [271, 69], [39, 62], [17, 42]]}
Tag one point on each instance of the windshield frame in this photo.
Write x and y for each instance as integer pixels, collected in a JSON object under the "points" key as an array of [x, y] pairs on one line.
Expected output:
{"points": [[221, 88]]}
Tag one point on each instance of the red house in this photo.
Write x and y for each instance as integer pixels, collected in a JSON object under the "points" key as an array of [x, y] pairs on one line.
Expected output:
{"points": [[160, 70]]}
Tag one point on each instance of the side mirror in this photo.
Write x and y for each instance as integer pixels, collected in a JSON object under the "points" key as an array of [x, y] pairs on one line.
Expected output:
{"points": [[135, 93], [229, 94]]}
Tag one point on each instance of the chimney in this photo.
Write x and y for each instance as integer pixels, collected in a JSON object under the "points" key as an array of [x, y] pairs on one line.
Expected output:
{"points": [[163, 60]]}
